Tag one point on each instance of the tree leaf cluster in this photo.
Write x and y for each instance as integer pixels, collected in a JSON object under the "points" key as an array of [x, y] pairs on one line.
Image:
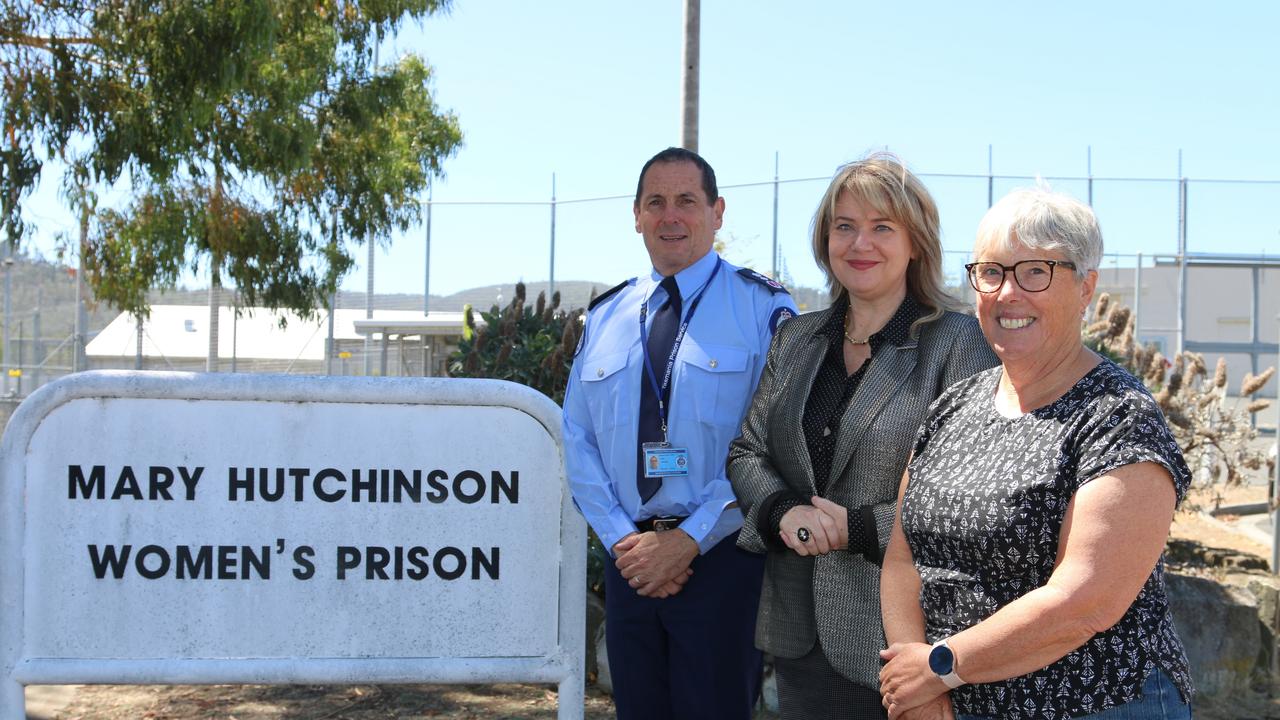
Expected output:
{"points": [[259, 137]]}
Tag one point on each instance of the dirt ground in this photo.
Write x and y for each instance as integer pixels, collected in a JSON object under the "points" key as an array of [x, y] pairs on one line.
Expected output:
{"points": [[510, 701], [315, 702]]}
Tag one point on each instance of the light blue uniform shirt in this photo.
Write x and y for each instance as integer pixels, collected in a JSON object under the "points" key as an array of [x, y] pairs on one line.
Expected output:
{"points": [[714, 377]]}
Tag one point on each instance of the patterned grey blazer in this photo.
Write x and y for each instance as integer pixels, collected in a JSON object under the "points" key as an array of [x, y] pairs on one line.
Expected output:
{"points": [[836, 597]]}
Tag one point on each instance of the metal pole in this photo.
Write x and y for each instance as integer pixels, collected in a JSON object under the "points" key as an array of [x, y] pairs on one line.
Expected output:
{"points": [[1254, 338], [691, 65], [211, 360], [82, 315], [1089, 163], [37, 359], [775, 214], [368, 309], [552, 283], [1137, 301], [426, 271], [1254, 326], [1182, 256], [1275, 484], [330, 350], [21, 334], [137, 356], [368, 294], [991, 180], [8, 312], [235, 332]]}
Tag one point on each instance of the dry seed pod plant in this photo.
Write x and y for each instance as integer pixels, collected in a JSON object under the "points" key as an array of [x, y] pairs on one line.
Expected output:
{"points": [[1215, 434]]}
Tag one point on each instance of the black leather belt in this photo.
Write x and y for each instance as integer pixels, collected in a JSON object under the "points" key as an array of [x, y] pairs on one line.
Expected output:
{"points": [[659, 524]]}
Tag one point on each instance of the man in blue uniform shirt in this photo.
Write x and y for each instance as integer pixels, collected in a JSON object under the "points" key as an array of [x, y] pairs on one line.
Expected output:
{"points": [[663, 376]]}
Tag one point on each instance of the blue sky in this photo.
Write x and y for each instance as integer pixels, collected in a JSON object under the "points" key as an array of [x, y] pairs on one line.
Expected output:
{"points": [[589, 90]]}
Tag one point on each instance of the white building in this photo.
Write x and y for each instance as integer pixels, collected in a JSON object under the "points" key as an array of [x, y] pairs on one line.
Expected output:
{"points": [[176, 337]]}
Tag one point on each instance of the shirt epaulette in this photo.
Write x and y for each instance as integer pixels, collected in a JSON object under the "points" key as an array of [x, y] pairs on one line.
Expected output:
{"points": [[774, 286], [606, 294]]}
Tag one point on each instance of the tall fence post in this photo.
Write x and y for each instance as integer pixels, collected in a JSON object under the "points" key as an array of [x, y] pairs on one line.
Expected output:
{"points": [[1182, 256], [1275, 479], [426, 270], [78, 362], [211, 359], [1089, 166], [1137, 300], [775, 214], [8, 312], [991, 180], [37, 346], [690, 68], [368, 311], [552, 283], [137, 353]]}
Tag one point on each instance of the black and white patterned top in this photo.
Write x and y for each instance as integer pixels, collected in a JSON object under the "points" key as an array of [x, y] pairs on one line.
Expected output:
{"points": [[983, 514]]}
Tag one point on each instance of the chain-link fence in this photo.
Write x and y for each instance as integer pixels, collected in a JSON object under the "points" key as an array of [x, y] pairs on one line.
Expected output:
{"points": [[400, 313]]}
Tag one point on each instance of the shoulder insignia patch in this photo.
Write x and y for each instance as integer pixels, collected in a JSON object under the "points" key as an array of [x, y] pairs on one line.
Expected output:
{"points": [[778, 317], [607, 294], [773, 285]]}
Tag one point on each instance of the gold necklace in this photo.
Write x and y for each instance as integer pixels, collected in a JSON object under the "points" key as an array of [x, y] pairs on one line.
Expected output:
{"points": [[849, 337], [854, 340]]}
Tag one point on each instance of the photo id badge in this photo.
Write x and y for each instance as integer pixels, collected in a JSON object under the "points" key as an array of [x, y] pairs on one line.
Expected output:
{"points": [[663, 460]]}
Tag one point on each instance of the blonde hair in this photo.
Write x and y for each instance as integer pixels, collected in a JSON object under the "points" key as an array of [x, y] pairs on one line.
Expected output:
{"points": [[881, 182]]}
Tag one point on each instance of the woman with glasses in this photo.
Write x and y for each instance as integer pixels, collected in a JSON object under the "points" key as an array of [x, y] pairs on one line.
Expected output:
{"points": [[1024, 576], [829, 430]]}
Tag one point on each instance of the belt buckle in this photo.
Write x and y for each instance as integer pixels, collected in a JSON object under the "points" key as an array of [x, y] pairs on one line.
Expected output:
{"points": [[663, 524]]}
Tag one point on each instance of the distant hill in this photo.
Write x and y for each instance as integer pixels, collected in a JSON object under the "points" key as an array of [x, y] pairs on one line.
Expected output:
{"points": [[43, 292]]}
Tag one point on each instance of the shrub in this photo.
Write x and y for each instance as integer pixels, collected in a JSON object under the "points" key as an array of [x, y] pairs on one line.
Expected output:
{"points": [[1214, 436], [533, 346]]}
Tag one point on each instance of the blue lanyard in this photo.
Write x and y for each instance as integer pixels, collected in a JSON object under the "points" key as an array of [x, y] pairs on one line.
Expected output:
{"points": [[675, 347]]}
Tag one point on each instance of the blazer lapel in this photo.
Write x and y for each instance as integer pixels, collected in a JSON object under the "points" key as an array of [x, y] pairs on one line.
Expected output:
{"points": [[889, 369], [803, 369]]}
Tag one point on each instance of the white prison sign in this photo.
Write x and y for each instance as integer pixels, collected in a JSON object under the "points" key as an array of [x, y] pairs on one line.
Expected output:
{"points": [[166, 527]]}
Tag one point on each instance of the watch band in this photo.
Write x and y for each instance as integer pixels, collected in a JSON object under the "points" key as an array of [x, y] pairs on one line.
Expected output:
{"points": [[950, 678]]}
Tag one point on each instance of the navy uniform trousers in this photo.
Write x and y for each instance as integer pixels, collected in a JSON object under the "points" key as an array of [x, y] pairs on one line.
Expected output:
{"points": [[691, 655]]}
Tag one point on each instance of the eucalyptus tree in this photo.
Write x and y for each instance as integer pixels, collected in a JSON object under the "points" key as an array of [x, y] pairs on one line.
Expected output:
{"points": [[258, 139]]}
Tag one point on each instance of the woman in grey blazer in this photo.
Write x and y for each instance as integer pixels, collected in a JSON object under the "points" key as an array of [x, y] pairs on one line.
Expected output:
{"points": [[826, 440]]}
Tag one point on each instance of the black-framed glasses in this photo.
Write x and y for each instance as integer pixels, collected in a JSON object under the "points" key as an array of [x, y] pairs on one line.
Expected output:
{"points": [[1031, 275]]}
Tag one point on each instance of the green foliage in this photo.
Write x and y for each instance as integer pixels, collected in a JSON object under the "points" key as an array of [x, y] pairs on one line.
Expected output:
{"points": [[533, 346], [260, 138]]}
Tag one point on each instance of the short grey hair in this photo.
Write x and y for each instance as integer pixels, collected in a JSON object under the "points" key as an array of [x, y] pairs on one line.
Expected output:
{"points": [[1041, 219]]}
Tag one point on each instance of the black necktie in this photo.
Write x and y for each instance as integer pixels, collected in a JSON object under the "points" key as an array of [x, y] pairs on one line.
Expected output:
{"points": [[662, 335]]}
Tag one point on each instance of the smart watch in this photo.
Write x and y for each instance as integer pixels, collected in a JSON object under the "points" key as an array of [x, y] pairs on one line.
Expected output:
{"points": [[943, 663]]}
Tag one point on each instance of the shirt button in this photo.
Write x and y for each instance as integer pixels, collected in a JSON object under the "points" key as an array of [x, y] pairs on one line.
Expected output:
{"points": [[714, 362], [599, 372], [704, 526]]}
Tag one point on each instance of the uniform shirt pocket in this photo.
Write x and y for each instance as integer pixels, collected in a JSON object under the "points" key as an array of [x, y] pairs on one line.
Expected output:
{"points": [[604, 385], [714, 383]]}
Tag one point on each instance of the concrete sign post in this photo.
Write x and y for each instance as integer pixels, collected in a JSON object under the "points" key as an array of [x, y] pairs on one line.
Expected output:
{"points": [[182, 528]]}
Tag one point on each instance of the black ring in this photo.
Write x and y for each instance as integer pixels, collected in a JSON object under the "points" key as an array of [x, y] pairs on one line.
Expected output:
{"points": [[803, 534]]}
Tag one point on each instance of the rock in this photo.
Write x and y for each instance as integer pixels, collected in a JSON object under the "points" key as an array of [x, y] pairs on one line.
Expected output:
{"points": [[769, 687], [1265, 588], [1219, 626], [604, 680], [595, 620]]}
